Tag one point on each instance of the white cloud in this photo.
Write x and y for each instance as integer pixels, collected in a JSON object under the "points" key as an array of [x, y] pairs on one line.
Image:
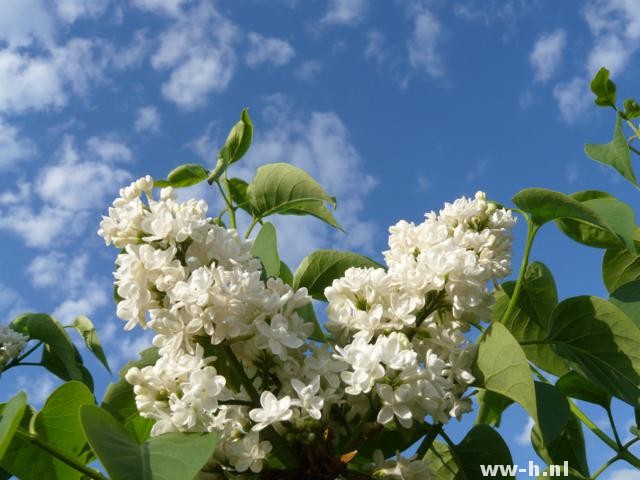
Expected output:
{"points": [[308, 70], [13, 147], [572, 173], [477, 171], [70, 10], [11, 304], [147, 120], [199, 51], [345, 12], [375, 49], [87, 304], [266, 50], [546, 55], [108, 149], [67, 277], [573, 98], [76, 185], [624, 474], [28, 83], [424, 183], [320, 144], [38, 387], [167, 7], [19, 196], [43, 82], [23, 21], [423, 44], [67, 189], [524, 437], [615, 26], [611, 52]]}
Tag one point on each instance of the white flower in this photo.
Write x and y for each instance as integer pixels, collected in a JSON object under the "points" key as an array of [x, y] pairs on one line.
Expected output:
{"points": [[11, 344], [248, 453], [273, 410], [308, 398], [395, 403], [277, 336]]}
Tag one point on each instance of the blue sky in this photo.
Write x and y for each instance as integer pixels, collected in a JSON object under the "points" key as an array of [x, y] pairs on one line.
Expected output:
{"points": [[395, 107]]}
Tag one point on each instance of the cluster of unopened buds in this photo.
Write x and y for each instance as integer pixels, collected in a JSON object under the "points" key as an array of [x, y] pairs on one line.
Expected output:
{"points": [[235, 353]]}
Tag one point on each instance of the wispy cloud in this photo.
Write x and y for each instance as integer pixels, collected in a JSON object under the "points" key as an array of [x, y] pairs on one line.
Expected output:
{"points": [[424, 43], [268, 51], [345, 12], [546, 55]]}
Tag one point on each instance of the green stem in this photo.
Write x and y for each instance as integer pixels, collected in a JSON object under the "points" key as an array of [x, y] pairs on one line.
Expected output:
{"points": [[232, 210], [606, 465], [634, 128], [16, 361], [227, 201], [613, 427], [280, 447], [428, 440], [29, 352], [239, 372], [532, 229], [592, 426], [54, 452], [582, 416], [253, 224]]}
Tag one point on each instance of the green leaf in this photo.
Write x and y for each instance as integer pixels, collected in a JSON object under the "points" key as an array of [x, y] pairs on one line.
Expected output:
{"points": [[318, 270], [501, 367], [391, 440], [172, 456], [574, 385], [265, 247], [558, 436], [482, 446], [239, 138], [54, 364], [443, 462], [530, 318], [631, 108], [617, 215], [119, 399], [553, 412], [604, 89], [285, 273], [627, 299], [58, 423], [620, 266], [238, 189], [491, 405], [10, 419], [615, 154], [40, 326], [287, 190], [28, 461], [85, 327], [546, 205], [601, 343], [185, 176]]}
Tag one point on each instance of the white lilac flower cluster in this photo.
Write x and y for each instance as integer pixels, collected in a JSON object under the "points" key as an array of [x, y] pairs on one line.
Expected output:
{"points": [[11, 344], [397, 351], [401, 330]]}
